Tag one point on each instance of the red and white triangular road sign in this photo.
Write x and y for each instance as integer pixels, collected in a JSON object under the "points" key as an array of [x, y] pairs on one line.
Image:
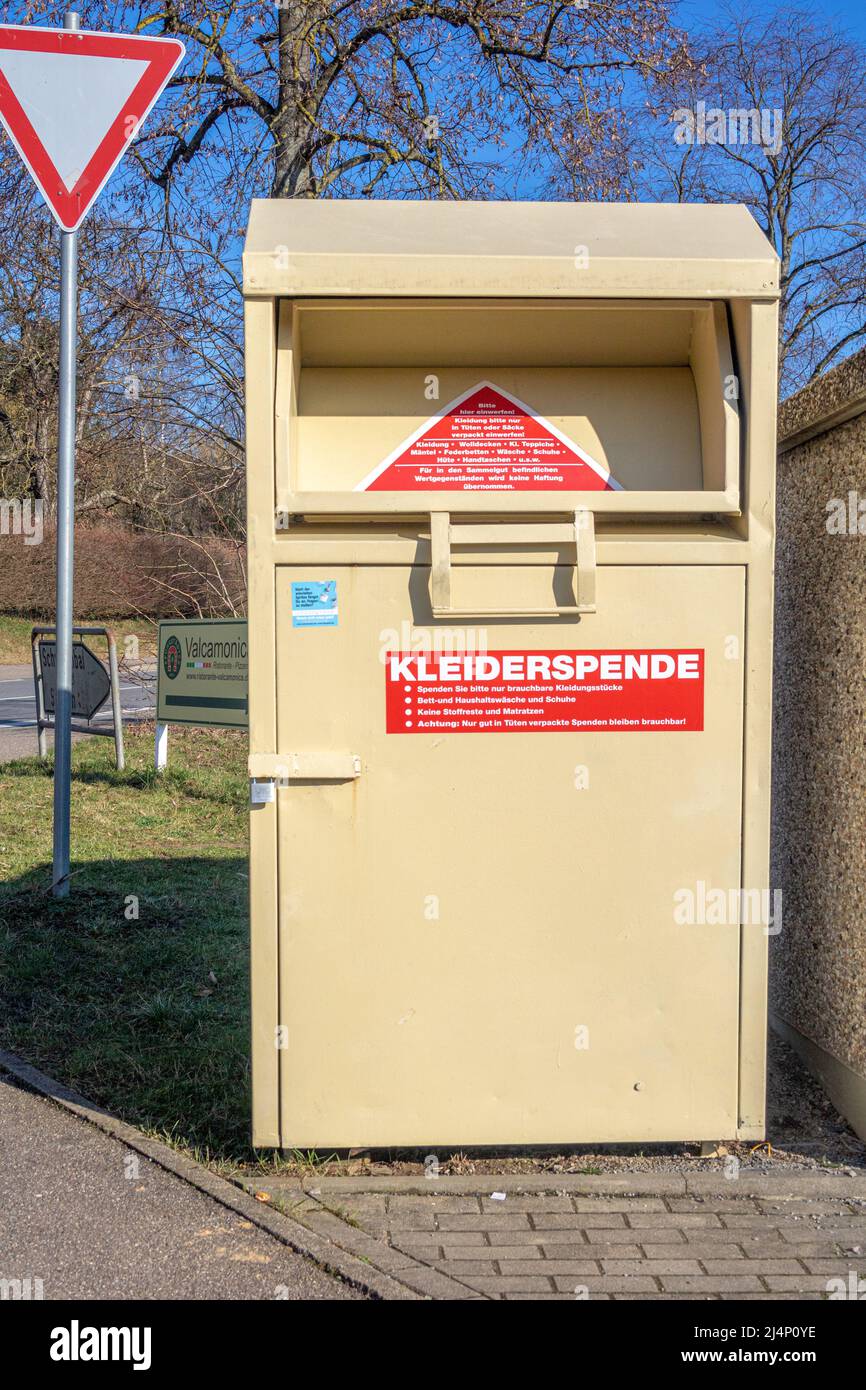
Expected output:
{"points": [[72, 100], [488, 441]]}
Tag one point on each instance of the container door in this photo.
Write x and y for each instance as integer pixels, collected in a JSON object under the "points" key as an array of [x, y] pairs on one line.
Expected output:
{"points": [[520, 923]]}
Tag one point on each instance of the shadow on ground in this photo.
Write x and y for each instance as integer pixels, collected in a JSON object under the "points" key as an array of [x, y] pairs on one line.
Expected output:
{"points": [[134, 991]]}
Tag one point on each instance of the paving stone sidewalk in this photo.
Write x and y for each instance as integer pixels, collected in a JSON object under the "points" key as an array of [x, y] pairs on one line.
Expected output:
{"points": [[757, 1238]]}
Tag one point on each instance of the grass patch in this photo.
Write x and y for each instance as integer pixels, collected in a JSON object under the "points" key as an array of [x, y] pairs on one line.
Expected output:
{"points": [[146, 1014], [15, 638]]}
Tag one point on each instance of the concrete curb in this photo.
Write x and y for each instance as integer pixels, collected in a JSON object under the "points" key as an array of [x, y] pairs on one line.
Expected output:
{"points": [[783, 1185], [411, 1280]]}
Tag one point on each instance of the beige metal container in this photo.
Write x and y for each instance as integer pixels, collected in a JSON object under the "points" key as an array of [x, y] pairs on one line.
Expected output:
{"points": [[510, 476]]}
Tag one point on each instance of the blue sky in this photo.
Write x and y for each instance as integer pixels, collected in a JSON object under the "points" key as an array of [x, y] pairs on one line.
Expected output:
{"points": [[850, 13]]}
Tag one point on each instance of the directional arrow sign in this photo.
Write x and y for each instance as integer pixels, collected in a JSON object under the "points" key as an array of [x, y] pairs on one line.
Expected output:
{"points": [[71, 102], [90, 681]]}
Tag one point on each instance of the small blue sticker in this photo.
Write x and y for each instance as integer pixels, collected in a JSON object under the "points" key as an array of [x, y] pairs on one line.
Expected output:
{"points": [[314, 604]]}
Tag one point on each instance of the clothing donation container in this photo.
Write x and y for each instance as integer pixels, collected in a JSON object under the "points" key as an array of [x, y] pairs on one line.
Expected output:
{"points": [[510, 477]]}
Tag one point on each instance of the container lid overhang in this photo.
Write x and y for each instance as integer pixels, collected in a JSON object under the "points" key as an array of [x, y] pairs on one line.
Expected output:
{"points": [[409, 248]]}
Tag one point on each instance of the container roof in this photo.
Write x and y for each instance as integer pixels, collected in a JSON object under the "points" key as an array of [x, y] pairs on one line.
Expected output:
{"points": [[301, 247]]}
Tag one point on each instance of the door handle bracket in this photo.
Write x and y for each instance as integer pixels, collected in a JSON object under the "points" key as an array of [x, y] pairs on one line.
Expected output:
{"points": [[580, 533]]}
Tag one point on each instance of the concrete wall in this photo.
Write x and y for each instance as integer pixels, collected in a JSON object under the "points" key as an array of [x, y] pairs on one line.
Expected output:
{"points": [[818, 962]]}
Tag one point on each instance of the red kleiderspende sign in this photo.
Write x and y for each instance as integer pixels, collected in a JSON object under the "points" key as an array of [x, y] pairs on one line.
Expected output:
{"points": [[488, 441], [545, 692]]}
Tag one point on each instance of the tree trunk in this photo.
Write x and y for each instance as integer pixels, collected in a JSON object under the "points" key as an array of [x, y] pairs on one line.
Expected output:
{"points": [[291, 128]]}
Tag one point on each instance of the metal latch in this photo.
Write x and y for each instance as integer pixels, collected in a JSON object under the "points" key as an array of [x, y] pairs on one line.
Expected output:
{"points": [[300, 767], [580, 533]]}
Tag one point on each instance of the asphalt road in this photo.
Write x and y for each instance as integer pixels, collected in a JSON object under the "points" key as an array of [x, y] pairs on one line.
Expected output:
{"points": [[18, 707], [92, 1219]]}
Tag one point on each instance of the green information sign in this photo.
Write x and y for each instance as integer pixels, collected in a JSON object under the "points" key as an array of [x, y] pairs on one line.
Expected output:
{"points": [[202, 672]]}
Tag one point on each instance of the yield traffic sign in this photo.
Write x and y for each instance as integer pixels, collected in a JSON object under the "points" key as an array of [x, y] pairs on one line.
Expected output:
{"points": [[71, 102]]}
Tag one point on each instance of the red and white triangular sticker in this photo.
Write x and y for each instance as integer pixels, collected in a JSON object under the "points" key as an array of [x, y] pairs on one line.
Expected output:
{"points": [[488, 441], [72, 100]]}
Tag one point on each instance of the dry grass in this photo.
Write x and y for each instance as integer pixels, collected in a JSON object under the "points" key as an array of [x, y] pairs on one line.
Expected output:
{"points": [[15, 638]]}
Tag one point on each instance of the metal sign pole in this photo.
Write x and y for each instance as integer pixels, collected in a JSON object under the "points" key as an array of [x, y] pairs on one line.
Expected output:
{"points": [[65, 542]]}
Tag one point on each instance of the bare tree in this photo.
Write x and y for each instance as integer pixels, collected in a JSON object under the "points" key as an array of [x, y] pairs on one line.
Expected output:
{"points": [[774, 116], [345, 98], [359, 96], [155, 440]]}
